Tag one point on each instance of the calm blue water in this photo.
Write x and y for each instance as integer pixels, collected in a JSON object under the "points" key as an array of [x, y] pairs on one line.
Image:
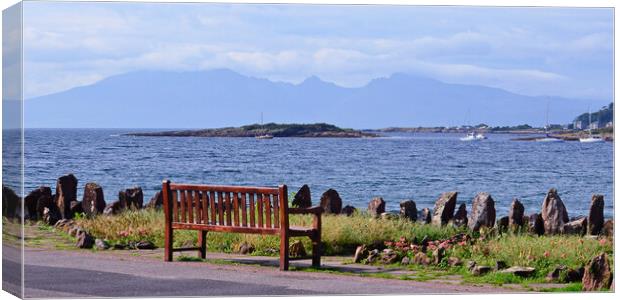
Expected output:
{"points": [[404, 166]]}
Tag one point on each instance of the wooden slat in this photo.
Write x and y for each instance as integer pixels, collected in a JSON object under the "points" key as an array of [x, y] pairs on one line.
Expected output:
{"points": [[219, 228], [175, 206], [276, 210], [212, 208], [259, 210], [190, 206], [236, 209], [244, 215], [183, 210], [225, 188], [267, 204], [205, 208], [197, 202], [252, 210], [220, 208], [228, 209]]}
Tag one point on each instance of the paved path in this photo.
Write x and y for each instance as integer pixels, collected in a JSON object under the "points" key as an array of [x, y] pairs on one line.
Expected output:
{"points": [[58, 273]]}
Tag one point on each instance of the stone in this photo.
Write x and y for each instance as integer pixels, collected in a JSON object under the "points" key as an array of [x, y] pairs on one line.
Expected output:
{"points": [[93, 202], [502, 223], [471, 265], [578, 226], [536, 224], [389, 216], [595, 217], [348, 210], [144, 245], [554, 213], [389, 256], [408, 210], [131, 198], [500, 265], [331, 202], [303, 197], [113, 208], [376, 207], [75, 231], [444, 208], [37, 200], [420, 258], [454, 261], [516, 213], [405, 261], [101, 244], [608, 228], [245, 248], [597, 274], [519, 271], [372, 256], [574, 275], [10, 202], [438, 255], [51, 215], [157, 201], [76, 208], [554, 276], [120, 246], [296, 249], [426, 216], [84, 240], [66, 192], [360, 253], [64, 224], [460, 217], [480, 270], [482, 212]]}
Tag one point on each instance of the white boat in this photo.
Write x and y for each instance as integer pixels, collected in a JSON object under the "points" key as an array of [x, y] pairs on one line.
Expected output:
{"points": [[265, 136], [590, 138], [548, 138], [472, 136]]}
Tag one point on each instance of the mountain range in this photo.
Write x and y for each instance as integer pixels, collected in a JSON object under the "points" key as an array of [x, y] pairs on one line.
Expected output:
{"points": [[221, 97]]}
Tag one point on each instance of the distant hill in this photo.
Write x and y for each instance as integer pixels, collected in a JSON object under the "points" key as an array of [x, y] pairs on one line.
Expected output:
{"points": [[602, 116], [221, 98], [276, 130]]}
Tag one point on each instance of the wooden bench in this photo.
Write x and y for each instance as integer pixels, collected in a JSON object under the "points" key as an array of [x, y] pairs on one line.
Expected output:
{"points": [[240, 209]]}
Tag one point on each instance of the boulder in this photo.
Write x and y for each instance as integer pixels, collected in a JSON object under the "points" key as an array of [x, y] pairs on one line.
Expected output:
{"points": [[554, 213], [66, 192], [578, 226], [101, 244], [372, 256], [444, 208], [482, 212], [360, 253], [144, 245], [471, 265], [454, 261], [302, 197], [84, 240], [76, 208], [51, 215], [296, 249], [131, 198], [157, 201], [502, 223], [348, 210], [376, 207], [500, 265], [438, 255], [426, 216], [93, 202], [480, 270], [389, 256], [113, 208], [536, 224], [37, 200], [574, 275], [64, 225], [245, 248], [420, 258], [10, 202], [331, 202], [405, 261], [460, 217], [519, 271], [408, 210], [595, 217], [597, 274], [516, 213], [608, 228]]}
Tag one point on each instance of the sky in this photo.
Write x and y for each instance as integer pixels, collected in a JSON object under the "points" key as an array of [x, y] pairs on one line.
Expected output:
{"points": [[532, 51]]}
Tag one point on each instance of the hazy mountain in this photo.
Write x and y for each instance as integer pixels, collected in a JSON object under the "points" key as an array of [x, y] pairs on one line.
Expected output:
{"points": [[219, 98]]}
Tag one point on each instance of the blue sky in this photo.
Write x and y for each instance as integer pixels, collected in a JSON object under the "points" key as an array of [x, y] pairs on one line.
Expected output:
{"points": [[533, 51]]}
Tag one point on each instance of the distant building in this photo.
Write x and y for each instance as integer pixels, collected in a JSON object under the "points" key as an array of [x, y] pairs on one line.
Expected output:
{"points": [[609, 124], [578, 125], [594, 125]]}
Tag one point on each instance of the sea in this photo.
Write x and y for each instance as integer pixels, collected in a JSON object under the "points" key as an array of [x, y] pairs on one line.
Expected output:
{"points": [[396, 167]]}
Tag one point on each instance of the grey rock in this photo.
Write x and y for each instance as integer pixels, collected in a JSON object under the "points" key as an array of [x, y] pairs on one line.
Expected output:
{"points": [[554, 213], [597, 274], [11, 202], [460, 217], [500, 265], [66, 192], [101, 244], [113, 208], [348, 210], [131, 198], [405, 261], [480, 270], [144, 245], [536, 224], [420, 258], [84, 240], [157, 201], [245, 248], [372, 256], [93, 202], [444, 208], [37, 200], [331, 202], [516, 213], [360, 253], [303, 197], [483, 212], [296, 249], [438, 255], [578, 226], [408, 210], [502, 223], [520, 271], [376, 207], [608, 228], [51, 215], [595, 217], [426, 216]]}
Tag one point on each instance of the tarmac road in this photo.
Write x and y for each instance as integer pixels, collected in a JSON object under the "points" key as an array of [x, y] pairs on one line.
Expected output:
{"points": [[57, 273]]}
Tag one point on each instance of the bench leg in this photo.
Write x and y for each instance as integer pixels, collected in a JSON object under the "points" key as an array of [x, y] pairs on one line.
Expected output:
{"points": [[316, 251], [284, 255], [168, 244], [202, 243]]}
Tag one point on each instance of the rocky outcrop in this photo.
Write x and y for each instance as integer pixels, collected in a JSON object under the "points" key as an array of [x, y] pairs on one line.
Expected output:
{"points": [[595, 217], [331, 202], [554, 213], [376, 207], [578, 226], [482, 212], [520, 271], [93, 202], [597, 274], [66, 192], [536, 224], [515, 215], [348, 210], [131, 198], [408, 210], [460, 217], [426, 216], [303, 197], [10, 202], [37, 200], [444, 208], [157, 201]]}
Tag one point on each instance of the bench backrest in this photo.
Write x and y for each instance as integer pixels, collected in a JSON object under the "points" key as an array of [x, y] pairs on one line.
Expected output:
{"points": [[226, 206]]}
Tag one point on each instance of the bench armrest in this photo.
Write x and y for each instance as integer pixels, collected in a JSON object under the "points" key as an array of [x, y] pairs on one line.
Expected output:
{"points": [[316, 210]]}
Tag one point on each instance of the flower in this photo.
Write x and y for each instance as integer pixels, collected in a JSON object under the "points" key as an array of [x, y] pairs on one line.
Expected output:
{"points": [[546, 254]]}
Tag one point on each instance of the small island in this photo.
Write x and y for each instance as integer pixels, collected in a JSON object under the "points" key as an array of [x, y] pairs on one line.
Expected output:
{"points": [[322, 130]]}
